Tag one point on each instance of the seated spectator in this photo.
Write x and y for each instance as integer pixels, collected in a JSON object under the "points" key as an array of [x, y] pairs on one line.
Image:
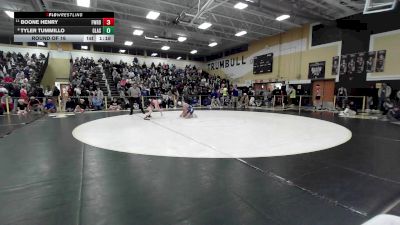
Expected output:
{"points": [[50, 107], [115, 105], [4, 100], [70, 105], [48, 93], [23, 93], [8, 79], [97, 103], [21, 107], [350, 110], [3, 90], [34, 104], [81, 107]]}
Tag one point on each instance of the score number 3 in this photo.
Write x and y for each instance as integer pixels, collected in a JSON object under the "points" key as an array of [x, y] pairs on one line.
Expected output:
{"points": [[108, 21]]}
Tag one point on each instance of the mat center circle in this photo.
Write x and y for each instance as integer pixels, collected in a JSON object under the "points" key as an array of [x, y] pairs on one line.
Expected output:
{"points": [[213, 134]]}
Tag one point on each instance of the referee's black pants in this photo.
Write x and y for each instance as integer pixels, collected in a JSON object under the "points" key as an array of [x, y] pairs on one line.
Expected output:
{"points": [[133, 100]]}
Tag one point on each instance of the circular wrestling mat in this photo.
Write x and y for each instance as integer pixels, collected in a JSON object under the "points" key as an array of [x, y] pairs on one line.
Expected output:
{"points": [[213, 134]]}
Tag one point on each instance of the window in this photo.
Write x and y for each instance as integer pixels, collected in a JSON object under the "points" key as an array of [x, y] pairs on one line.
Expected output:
{"points": [[214, 57], [78, 46], [38, 44], [322, 34], [139, 52]]}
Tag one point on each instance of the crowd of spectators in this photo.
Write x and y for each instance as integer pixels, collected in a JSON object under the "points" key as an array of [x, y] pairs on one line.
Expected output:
{"points": [[84, 91], [165, 81], [19, 80], [168, 82]]}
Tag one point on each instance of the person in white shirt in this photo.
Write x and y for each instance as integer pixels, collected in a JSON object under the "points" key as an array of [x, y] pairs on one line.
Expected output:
{"points": [[99, 93]]}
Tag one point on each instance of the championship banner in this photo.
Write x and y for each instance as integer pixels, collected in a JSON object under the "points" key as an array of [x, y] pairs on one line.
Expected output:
{"points": [[343, 65], [316, 70], [360, 63], [371, 62], [380, 61], [351, 66], [335, 66]]}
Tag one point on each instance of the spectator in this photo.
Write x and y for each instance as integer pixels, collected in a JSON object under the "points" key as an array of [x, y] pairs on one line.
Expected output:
{"points": [[291, 96], [81, 106], [56, 92], [383, 93], [3, 90], [34, 104], [244, 100], [8, 79], [48, 93], [235, 96], [21, 107], [50, 107], [24, 94], [215, 98], [99, 93], [4, 99], [70, 105], [97, 103], [115, 105]]}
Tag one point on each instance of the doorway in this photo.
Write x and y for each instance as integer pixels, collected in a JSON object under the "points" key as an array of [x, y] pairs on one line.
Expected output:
{"points": [[326, 90]]}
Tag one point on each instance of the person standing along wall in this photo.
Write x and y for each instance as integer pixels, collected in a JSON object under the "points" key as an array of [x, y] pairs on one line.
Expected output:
{"points": [[384, 92], [318, 97], [235, 96], [341, 97], [292, 96]]}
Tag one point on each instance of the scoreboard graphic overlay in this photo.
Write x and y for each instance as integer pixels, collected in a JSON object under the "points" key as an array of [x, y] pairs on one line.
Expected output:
{"points": [[64, 26]]}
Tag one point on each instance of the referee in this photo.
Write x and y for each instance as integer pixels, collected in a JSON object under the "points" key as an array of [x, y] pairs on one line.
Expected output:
{"points": [[134, 96]]}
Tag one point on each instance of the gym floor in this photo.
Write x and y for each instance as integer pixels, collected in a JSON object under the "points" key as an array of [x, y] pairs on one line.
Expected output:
{"points": [[49, 177]]}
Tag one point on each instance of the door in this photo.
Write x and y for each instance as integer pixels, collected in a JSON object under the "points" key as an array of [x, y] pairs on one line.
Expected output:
{"points": [[326, 89]]}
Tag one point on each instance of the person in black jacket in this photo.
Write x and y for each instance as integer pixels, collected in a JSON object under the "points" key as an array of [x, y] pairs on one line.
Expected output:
{"points": [[70, 105]]}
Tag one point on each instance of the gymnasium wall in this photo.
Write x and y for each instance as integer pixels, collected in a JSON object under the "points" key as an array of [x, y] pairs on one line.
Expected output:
{"points": [[293, 52], [292, 55]]}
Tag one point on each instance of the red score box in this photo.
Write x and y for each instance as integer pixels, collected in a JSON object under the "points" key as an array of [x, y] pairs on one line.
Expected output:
{"points": [[108, 21]]}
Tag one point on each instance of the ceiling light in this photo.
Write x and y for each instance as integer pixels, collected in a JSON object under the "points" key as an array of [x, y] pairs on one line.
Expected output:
{"points": [[182, 39], [152, 15], [240, 5], [83, 3], [252, 1], [204, 25], [128, 43], [283, 17], [154, 54], [193, 52], [40, 44], [241, 33], [9, 13], [165, 48], [85, 47], [138, 32], [212, 44], [122, 50], [179, 58]]}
